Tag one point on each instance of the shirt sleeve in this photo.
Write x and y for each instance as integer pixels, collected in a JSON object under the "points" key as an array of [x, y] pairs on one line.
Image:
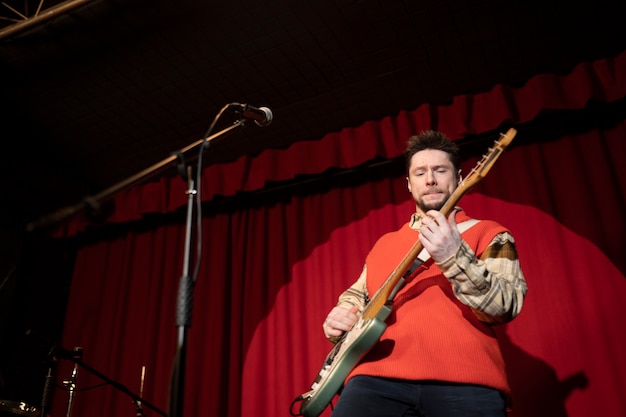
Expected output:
{"points": [[355, 295], [492, 285]]}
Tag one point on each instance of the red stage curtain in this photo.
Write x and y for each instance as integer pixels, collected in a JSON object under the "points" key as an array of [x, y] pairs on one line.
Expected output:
{"points": [[603, 81], [273, 265]]}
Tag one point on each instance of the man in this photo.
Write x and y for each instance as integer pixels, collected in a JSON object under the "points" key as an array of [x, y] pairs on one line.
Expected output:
{"points": [[438, 355]]}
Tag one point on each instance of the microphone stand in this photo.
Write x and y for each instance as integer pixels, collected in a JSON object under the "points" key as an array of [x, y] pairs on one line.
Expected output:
{"points": [[184, 302], [184, 305]]}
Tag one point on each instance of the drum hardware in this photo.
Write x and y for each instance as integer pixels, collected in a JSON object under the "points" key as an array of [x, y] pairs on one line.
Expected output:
{"points": [[17, 408], [71, 384], [138, 401], [77, 355], [47, 390]]}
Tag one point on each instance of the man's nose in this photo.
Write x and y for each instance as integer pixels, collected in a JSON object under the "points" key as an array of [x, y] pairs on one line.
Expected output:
{"points": [[430, 178]]}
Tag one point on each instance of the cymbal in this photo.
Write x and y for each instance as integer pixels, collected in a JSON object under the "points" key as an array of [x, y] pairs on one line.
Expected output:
{"points": [[18, 408]]}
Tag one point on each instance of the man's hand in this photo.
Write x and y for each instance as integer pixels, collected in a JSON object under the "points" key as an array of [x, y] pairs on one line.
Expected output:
{"points": [[440, 237], [340, 320]]}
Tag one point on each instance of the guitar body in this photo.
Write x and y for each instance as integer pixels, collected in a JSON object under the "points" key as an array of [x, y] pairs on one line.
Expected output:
{"points": [[348, 351]]}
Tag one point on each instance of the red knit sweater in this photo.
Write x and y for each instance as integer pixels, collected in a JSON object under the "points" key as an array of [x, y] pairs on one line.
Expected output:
{"points": [[430, 334]]}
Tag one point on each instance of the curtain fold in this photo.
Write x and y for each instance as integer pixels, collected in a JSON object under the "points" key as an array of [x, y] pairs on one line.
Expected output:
{"points": [[273, 266]]}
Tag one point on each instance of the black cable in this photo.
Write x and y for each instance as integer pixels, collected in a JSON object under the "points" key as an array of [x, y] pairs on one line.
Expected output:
{"points": [[205, 145]]}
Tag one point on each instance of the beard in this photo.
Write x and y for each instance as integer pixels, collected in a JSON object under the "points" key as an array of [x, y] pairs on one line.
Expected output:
{"points": [[432, 205]]}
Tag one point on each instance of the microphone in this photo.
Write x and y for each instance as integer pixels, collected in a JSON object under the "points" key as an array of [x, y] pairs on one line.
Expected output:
{"points": [[262, 116]]}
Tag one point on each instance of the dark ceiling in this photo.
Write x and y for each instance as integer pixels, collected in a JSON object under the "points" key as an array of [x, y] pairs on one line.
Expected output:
{"points": [[99, 93]]}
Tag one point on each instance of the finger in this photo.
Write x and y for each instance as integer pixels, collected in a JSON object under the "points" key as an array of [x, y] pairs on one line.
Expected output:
{"points": [[331, 332], [342, 322], [333, 321], [341, 318], [435, 217]]}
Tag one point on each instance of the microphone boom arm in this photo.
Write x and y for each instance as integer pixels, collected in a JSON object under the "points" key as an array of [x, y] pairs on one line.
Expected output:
{"points": [[96, 200]]}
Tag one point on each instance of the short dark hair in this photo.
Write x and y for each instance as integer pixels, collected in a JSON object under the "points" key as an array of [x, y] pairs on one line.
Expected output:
{"points": [[432, 139]]}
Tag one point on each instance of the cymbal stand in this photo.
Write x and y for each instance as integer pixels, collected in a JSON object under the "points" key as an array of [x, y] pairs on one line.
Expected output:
{"points": [[48, 385], [138, 400], [71, 383]]}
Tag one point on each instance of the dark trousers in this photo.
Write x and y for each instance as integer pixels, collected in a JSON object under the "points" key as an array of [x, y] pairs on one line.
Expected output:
{"points": [[366, 396]]}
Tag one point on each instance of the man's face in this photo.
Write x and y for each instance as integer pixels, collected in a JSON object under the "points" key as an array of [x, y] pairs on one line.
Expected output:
{"points": [[431, 179]]}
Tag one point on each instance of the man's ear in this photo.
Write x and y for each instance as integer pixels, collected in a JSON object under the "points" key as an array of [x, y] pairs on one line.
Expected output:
{"points": [[408, 184]]}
